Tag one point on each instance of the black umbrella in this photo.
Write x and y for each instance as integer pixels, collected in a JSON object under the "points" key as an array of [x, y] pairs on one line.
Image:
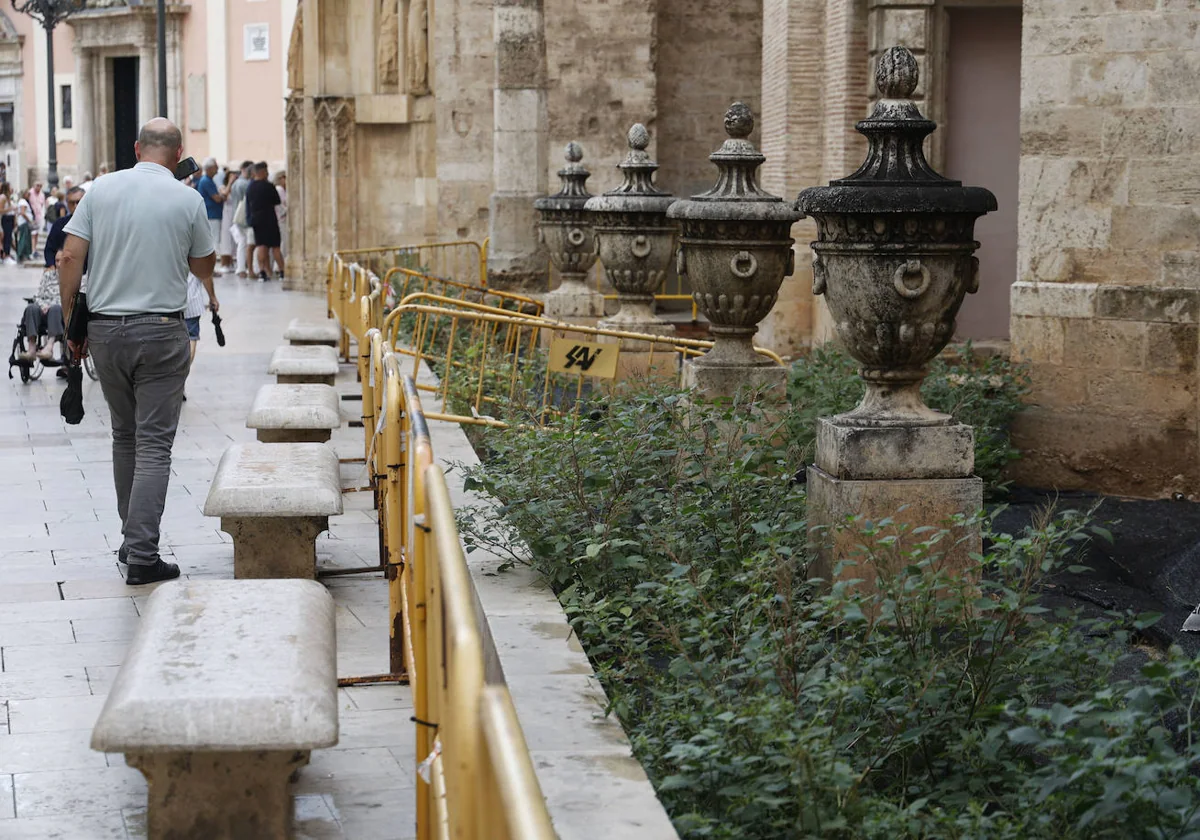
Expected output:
{"points": [[70, 405], [220, 332]]}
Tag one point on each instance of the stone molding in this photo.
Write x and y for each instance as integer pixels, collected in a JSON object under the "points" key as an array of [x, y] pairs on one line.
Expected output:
{"points": [[1149, 304]]}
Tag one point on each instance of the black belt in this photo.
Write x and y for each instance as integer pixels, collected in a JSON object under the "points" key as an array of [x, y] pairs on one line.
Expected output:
{"points": [[99, 316]]}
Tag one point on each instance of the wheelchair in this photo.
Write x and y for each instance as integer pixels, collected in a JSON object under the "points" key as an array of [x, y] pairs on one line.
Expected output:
{"points": [[33, 370]]}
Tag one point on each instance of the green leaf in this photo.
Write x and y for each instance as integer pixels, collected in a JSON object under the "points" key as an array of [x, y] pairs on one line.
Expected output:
{"points": [[1025, 735]]}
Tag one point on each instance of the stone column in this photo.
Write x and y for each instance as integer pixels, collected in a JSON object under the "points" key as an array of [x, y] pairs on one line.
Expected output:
{"points": [[147, 91], [296, 277], [85, 107], [520, 151], [894, 259]]}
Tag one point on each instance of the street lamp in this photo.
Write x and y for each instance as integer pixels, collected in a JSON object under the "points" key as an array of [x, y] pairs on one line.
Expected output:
{"points": [[50, 13]]}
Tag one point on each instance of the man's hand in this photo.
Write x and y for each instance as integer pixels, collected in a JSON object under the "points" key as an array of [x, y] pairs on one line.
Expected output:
{"points": [[214, 305], [78, 351]]}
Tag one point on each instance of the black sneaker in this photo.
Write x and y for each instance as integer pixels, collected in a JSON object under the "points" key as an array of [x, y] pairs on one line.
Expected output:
{"points": [[161, 570], [262, 277]]}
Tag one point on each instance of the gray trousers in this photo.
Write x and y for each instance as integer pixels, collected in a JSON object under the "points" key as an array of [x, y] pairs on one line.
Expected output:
{"points": [[38, 323], [142, 364]]}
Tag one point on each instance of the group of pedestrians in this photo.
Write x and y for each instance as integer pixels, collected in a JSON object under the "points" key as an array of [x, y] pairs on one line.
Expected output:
{"points": [[26, 216], [247, 212]]}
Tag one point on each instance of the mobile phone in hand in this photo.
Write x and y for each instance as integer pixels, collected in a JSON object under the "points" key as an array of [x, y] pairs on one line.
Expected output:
{"points": [[186, 168]]}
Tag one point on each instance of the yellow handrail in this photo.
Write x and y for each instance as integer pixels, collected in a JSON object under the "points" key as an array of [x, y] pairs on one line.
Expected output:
{"points": [[478, 780]]}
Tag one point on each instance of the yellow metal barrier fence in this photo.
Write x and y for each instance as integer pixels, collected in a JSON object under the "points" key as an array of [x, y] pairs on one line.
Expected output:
{"points": [[486, 357], [405, 282], [477, 780], [482, 781]]}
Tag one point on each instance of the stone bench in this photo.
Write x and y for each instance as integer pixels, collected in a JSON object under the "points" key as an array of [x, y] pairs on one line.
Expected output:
{"points": [[303, 333], [295, 413], [313, 365], [226, 689], [274, 499]]}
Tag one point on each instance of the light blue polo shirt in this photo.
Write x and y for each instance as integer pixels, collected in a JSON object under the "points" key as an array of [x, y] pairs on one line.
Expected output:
{"points": [[141, 225]]}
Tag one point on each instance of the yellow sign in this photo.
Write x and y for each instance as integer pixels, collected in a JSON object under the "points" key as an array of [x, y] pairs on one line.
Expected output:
{"points": [[583, 358]]}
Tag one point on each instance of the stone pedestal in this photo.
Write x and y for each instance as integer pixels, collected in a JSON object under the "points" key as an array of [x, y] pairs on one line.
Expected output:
{"points": [[574, 302], [914, 475], [293, 435], [719, 382], [274, 547], [202, 795]]}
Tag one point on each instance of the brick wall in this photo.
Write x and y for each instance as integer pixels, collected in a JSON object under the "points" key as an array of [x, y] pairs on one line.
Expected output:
{"points": [[709, 55], [1106, 309], [793, 71], [600, 81]]}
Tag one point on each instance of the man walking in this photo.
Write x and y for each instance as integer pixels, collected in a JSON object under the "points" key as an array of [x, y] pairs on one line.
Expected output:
{"points": [[143, 232], [214, 197], [243, 247], [261, 200]]}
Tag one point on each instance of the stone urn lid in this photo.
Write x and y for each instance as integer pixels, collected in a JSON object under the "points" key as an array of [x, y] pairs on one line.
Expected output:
{"points": [[896, 178], [573, 194], [637, 193], [736, 196]]}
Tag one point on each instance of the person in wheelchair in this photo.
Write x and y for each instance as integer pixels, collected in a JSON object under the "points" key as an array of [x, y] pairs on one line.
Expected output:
{"points": [[43, 320]]}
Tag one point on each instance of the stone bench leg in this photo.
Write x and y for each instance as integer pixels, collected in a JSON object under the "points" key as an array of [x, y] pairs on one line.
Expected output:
{"points": [[205, 795], [303, 379], [293, 435], [308, 342], [274, 547]]}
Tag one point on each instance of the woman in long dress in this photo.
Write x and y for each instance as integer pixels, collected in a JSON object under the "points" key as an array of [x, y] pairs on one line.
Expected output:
{"points": [[24, 246]]}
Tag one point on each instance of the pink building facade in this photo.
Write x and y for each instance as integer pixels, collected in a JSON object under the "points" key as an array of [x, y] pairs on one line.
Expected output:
{"points": [[226, 83]]}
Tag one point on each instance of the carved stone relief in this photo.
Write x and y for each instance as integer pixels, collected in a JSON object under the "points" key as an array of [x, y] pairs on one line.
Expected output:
{"points": [[295, 55], [387, 47], [417, 52]]}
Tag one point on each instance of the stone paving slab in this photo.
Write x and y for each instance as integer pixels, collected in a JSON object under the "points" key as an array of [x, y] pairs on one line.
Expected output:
{"points": [[67, 617]]}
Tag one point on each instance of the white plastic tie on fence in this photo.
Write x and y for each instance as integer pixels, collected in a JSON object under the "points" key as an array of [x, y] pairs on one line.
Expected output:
{"points": [[425, 768]]}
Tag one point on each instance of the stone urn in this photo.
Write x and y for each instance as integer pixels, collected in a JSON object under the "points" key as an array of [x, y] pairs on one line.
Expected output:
{"points": [[894, 253], [735, 249], [635, 240], [565, 228]]}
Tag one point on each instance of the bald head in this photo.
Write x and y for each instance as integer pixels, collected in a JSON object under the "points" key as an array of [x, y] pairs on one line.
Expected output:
{"points": [[161, 142]]}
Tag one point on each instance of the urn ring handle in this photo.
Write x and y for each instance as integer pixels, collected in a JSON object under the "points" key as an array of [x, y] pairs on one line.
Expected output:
{"points": [[641, 246], [575, 236], [905, 269], [743, 265]]}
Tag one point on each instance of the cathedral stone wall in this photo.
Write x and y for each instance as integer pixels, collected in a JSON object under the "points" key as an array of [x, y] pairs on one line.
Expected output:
{"points": [[1107, 305], [724, 37]]}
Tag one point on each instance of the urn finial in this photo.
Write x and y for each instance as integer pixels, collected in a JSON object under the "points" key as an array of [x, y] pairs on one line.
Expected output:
{"points": [[638, 168], [897, 74], [739, 121], [639, 137], [573, 179]]}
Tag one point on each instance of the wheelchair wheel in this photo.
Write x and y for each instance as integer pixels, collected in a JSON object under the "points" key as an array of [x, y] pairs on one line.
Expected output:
{"points": [[90, 367], [32, 371]]}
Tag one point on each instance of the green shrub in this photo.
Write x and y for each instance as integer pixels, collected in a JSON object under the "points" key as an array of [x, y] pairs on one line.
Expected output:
{"points": [[763, 706], [984, 392]]}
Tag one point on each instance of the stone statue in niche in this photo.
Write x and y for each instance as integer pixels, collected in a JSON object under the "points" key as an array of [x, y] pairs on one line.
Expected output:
{"points": [[387, 49], [417, 69], [295, 54]]}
